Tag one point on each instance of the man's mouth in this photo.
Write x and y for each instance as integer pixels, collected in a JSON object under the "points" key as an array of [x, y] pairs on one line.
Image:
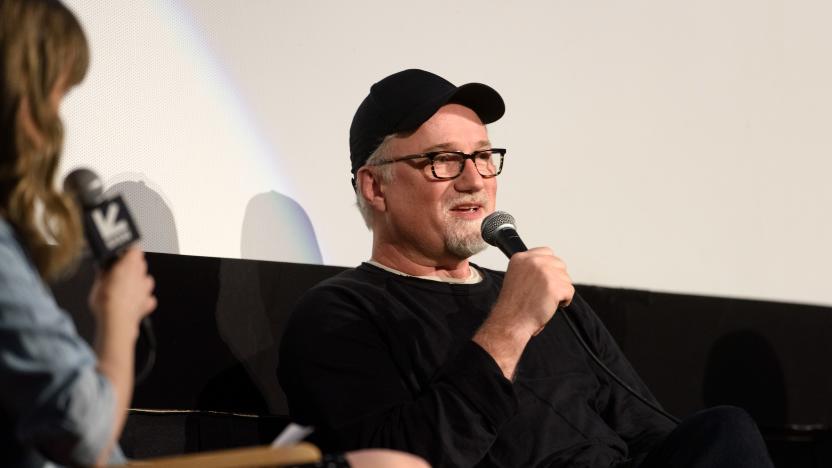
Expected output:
{"points": [[467, 208]]}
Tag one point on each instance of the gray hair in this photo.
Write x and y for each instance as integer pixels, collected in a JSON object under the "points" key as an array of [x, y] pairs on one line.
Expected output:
{"points": [[384, 173]]}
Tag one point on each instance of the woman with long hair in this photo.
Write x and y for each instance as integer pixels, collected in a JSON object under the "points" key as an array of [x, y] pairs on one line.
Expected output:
{"points": [[60, 400]]}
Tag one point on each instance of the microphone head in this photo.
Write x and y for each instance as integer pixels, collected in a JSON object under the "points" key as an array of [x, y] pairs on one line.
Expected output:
{"points": [[108, 226], [85, 186], [494, 223]]}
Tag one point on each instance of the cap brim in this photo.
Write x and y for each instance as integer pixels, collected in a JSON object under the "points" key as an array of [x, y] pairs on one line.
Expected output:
{"points": [[480, 98]]}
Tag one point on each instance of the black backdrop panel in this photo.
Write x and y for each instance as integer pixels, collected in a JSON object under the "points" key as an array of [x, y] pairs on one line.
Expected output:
{"points": [[696, 352], [218, 328], [219, 324]]}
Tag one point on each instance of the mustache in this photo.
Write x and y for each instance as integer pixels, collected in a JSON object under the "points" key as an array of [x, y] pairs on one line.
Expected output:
{"points": [[481, 200]]}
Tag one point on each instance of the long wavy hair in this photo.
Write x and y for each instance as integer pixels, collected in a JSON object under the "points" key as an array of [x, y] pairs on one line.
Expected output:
{"points": [[43, 52]]}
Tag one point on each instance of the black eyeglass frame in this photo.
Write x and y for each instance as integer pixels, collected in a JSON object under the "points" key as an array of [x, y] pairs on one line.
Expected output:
{"points": [[465, 156]]}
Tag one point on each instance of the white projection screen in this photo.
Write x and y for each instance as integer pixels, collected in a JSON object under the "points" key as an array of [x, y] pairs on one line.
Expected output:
{"points": [[663, 145]]}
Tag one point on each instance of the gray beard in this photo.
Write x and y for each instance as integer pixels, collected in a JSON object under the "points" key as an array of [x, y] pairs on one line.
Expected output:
{"points": [[463, 239]]}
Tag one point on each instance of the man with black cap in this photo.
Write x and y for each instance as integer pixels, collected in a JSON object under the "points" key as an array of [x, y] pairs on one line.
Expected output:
{"points": [[419, 350]]}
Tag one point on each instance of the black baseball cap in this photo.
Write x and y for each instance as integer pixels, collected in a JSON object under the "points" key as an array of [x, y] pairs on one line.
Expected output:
{"points": [[405, 100]]}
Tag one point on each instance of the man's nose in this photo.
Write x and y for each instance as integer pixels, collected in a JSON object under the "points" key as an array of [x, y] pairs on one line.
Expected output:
{"points": [[469, 179]]}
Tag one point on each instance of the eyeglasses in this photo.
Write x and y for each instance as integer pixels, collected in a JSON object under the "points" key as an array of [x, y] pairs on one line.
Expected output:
{"points": [[449, 164]]}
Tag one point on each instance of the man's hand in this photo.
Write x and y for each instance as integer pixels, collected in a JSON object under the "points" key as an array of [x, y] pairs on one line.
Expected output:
{"points": [[536, 283]]}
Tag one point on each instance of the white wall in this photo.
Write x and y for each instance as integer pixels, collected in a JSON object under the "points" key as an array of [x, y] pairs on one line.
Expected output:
{"points": [[664, 145]]}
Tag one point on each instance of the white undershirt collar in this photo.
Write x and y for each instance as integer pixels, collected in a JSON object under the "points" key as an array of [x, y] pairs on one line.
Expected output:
{"points": [[474, 275]]}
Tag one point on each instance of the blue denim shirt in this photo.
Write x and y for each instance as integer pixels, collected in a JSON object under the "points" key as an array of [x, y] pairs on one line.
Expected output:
{"points": [[54, 404]]}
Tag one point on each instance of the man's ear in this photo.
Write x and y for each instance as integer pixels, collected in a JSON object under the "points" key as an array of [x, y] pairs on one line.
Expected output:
{"points": [[371, 188]]}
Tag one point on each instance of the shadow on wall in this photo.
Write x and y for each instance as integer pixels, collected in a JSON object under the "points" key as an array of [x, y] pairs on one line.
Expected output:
{"points": [[743, 370], [154, 218], [216, 372], [232, 308], [277, 228]]}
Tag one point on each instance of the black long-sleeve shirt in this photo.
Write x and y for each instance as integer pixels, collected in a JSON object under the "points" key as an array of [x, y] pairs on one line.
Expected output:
{"points": [[375, 359]]}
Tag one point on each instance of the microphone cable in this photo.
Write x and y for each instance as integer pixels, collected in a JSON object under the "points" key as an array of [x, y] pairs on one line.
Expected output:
{"points": [[612, 374], [150, 360], [498, 229]]}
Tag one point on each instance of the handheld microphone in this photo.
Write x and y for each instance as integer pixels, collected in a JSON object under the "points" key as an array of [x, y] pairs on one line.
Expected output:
{"points": [[108, 226], [110, 230], [498, 229]]}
